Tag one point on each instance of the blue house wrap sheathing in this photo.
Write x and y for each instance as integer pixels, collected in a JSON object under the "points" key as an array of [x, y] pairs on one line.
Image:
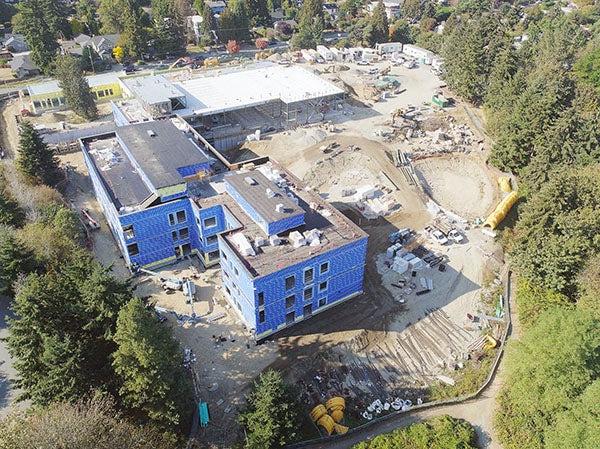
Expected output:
{"points": [[285, 254]]}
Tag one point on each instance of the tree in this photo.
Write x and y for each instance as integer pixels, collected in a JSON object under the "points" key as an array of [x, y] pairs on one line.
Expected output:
{"points": [[148, 363], [119, 53], [233, 47], [587, 67], [469, 50], [111, 15], [61, 336], [207, 27], [259, 13], [86, 13], [577, 428], [261, 43], [442, 432], [270, 418], [75, 87], [168, 25], [129, 22], [589, 287], [86, 423], [235, 22], [548, 373], [11, 213], [379, 24], [534, 300], [15, 260], [558, 230], [35, 160], [400, 31], [311, 25], [36, 26], [199, 6]]}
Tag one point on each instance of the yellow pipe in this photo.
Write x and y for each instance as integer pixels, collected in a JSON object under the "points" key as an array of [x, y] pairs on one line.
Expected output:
{"points": [[501, 210]]}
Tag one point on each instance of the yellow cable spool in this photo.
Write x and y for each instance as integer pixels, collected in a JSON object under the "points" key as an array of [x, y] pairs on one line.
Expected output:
{"points": [[337, 415], [336, 403], [317, 412], [501, 210], [327, 423], [339, 429]]}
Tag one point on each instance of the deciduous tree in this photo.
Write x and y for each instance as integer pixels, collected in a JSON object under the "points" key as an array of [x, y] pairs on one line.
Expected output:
{"points": [[89, 423]]}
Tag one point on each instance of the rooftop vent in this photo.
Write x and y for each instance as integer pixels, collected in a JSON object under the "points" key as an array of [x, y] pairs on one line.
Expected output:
{"points": [[250, 180], [279, 208], [270, 193], [151, 133]]}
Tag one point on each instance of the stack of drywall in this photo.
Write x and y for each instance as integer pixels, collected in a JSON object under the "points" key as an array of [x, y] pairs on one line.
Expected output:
{"points": [[393, 250]]}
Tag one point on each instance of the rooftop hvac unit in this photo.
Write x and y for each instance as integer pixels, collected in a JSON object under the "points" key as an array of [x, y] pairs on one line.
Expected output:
{"points": [[249, 180], [279, 208], [243, 244], [151, 133], [274, 240], [270, 193], [260, 241], [297, 239]]}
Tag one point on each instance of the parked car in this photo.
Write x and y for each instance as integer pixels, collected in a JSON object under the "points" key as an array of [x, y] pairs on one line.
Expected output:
{"points": [[455, 236], [439, 237], [130, 69], [361, 62]]}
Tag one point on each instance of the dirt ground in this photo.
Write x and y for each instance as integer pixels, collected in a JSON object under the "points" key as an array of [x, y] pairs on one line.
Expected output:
{"points": [[387, 342]]}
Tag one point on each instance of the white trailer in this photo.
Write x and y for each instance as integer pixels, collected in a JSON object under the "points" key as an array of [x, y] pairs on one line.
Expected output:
{"points": [[420, 54], [325, 53], [388, 47]]}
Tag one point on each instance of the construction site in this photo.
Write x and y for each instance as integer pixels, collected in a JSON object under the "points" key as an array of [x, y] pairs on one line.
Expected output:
{"points": [[409, 170]]}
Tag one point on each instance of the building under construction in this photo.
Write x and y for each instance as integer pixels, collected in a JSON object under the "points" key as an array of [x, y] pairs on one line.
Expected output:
{"points": [[227, 105], [285, 254]]}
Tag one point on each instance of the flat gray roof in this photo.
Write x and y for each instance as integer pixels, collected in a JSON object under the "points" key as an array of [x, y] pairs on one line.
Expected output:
{"points": [[122, 181], [160, 148], [255, 193], [152, 89]]}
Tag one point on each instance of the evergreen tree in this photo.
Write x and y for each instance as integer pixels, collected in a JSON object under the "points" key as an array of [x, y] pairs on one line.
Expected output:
{"points": [[35, 160], [168, 25], [86, 13], [111, 13], [379, 24], [148, 362], [76, 90], [133, 38], [10, 212], [207, 27], [15, 259], [311, 26], [259, 13], [36, 26], [61, 336], [270, 418], [235, 22]]}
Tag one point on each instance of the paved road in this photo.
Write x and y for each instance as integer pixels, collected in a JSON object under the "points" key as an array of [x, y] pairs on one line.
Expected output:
{"points": [[7, 372]]}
